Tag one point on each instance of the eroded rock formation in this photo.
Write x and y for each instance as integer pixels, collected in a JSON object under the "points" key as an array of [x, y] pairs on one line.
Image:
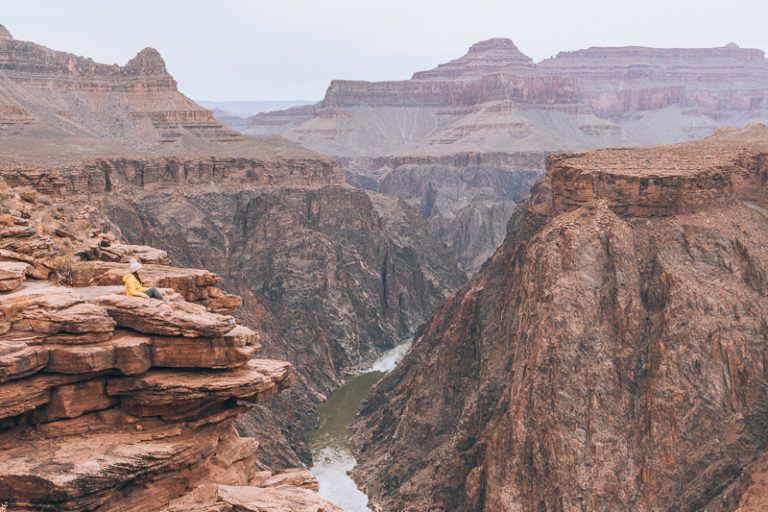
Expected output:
{"points": [[113, 402], [609, 356], [467, 198], [496, 100]]}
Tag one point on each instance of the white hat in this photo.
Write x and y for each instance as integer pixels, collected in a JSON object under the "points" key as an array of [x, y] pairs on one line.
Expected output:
{"points": [[135, 265]]}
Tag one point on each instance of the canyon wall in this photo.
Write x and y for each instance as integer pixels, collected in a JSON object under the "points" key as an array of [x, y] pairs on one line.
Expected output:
{"points": [[122, 174], [609, 356], [497, 100], [467, 198], [329, 275]]}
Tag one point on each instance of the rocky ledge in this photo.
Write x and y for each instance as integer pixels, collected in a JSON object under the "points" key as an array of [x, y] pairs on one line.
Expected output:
{"points": [[113, 402], [654, 182], [118, 174]]}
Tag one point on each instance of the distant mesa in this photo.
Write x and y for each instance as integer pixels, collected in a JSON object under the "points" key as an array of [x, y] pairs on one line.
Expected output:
{"points": [[4, 33]]}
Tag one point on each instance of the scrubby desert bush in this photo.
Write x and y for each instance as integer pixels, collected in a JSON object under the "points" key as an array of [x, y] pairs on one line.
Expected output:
{"points": [[65, 264]]}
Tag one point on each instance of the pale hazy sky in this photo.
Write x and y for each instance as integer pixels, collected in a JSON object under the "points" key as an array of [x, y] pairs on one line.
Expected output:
{"points": [[292, 49]]}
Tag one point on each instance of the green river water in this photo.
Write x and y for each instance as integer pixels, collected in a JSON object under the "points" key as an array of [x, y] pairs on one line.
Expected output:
{"points": [[331, 450]]}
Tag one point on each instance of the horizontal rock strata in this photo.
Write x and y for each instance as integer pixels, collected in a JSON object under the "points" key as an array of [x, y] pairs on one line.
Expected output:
{"points": [[122, 403]]}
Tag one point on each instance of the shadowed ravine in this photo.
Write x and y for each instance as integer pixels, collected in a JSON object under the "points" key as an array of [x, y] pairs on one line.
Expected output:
{"points": [[330, 442]]}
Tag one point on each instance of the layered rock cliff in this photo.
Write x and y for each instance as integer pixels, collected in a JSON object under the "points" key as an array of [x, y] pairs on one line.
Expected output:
{"points": [[467, 198], [113, 402], [55, 105], [496, 100], [609, 356]]}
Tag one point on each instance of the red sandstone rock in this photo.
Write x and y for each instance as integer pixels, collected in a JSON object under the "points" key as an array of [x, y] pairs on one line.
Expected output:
{"points": [[12, 274], [161, 391], [126, 352], [68, 438], [153, 316], [193, 284]]}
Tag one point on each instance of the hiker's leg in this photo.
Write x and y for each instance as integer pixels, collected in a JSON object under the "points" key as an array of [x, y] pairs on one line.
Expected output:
{"points": [[154, 293]]}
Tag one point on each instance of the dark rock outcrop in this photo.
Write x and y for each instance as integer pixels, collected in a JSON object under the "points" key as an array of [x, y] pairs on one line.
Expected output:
{"points": [[467, 198]]}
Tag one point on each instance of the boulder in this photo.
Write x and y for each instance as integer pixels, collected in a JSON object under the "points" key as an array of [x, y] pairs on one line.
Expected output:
{"points": [[124, 253], [295, 477]]}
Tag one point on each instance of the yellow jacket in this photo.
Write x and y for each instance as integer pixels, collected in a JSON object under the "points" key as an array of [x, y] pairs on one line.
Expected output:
{"points": [[133, 286]]}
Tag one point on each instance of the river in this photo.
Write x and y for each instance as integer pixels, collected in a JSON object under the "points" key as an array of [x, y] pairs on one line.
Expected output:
{"points": [[330, 445]]}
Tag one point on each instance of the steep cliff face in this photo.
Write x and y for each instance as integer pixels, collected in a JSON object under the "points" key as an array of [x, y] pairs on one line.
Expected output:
{"points": [[123, 174], [467, 198], [610, 356], [122, 403], [332, 275], [329, 274]]}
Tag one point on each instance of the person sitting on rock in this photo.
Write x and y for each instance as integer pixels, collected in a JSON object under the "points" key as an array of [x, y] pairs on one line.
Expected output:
{"points": [[133, 285]]}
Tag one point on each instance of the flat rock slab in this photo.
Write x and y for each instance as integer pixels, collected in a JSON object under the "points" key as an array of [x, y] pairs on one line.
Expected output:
{"points": [[235, 348], [55, 312], [152, 316], [165, 391], [295, 477], [102, 273], [124, 253], [83, 472], [274, 499], [195, 285], [129, 353]]}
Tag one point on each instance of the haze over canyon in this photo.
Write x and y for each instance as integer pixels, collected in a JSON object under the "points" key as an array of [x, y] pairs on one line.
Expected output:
{"points": [[570, 254]]}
